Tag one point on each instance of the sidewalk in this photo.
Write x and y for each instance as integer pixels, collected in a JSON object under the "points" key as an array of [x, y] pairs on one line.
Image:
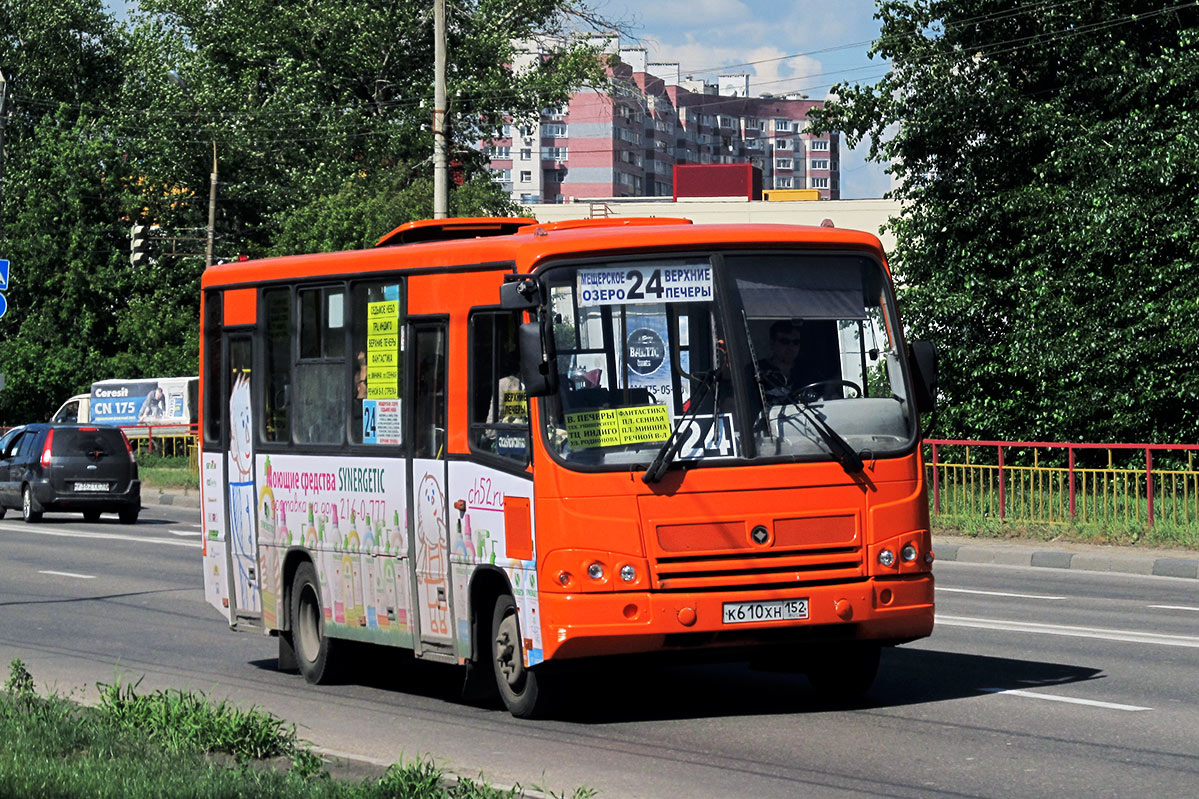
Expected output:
{"points": [[1007, 552], [1067, 555]]}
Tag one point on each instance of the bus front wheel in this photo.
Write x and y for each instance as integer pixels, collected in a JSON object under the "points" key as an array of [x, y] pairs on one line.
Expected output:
{"points": [[315, 651], [522, 689]]}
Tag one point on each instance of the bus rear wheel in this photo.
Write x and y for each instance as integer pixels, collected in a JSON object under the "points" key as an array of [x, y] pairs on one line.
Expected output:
{"points": [[315, 652], [522, 689]]}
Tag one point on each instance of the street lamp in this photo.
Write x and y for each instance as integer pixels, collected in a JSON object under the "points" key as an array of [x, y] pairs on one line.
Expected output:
{"points": [[178, 81]]}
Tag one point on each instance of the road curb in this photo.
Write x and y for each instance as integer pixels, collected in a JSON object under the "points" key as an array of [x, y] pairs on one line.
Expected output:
{"points": [[449, 779], [188, 500], [1097, 559]]}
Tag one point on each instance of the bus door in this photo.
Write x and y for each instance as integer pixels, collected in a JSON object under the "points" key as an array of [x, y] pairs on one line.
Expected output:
{"points": [[240, 517], [428, 505]]}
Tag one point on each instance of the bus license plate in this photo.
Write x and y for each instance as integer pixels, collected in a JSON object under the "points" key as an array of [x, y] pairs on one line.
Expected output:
{"points": [[774, 610], [91, 486]]}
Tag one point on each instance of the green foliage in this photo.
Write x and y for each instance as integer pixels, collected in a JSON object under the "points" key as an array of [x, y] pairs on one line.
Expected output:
{"points": [[1048, 155], [188, 721], [317, 115], [128, 746], [19, 684]]}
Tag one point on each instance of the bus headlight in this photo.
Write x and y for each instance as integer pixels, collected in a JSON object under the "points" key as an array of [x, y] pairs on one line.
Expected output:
{"points": [[628, 573], [595, 570], [886, 558], [908, 553]]}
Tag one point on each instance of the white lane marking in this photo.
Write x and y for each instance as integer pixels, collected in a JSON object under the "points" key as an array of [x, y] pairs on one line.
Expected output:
{"points": [[69, 574], [1173, 607], [184, 533], [42, 531], [1070, 699], [1073, 632], [995, 593]]}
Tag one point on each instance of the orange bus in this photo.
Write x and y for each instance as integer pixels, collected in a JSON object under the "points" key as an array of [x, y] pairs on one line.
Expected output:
{"points": [[517, 446]]}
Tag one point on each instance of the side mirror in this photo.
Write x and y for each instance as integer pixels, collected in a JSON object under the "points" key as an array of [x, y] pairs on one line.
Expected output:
{"points": [[536, 365], [520, 293], [922, 362]]}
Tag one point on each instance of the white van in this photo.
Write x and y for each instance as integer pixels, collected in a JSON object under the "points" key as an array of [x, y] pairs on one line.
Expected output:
{"points": [[73, 411], [163, 406]]}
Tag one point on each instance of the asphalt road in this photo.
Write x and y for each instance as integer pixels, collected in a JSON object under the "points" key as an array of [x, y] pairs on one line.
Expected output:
{"points": [[1037, 682]]}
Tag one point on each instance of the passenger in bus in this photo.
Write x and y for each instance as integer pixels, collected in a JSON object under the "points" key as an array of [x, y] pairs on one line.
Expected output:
{"points": [[360, 377], [510, 405]]}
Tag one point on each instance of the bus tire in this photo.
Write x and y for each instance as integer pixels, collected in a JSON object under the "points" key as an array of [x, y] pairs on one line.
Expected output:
{"points": [[842, 674], [316, 653], [522, 689]]}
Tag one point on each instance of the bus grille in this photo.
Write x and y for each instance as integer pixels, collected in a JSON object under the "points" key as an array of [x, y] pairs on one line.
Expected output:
{"points": [[758, 570]]}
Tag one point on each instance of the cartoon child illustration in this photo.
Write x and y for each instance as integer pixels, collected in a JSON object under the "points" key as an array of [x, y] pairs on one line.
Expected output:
{"points": [[431, 554], [242, 503]]}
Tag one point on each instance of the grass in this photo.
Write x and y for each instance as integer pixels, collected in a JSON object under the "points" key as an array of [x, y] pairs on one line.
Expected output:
{"points": [[180, 744], [167, 472], [1162, 534]]}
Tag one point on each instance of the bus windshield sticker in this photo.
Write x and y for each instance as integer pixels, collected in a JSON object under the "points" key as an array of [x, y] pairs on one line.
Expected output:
{"points": [[383, 350], [708, 438], [381, 421], [646, 283], [514, 406], [615, 426]]}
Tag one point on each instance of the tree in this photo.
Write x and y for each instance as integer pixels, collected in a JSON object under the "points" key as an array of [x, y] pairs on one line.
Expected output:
{"points": [[311, 101], [1048, 155], [62, 203], [318, 112]]}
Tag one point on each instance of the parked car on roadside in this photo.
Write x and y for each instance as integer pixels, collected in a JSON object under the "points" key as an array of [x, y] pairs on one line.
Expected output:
{"points": [[65, 467]]}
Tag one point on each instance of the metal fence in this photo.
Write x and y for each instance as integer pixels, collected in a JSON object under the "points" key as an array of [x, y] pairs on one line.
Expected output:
{"points": [[172, 441], [1133, 486]]}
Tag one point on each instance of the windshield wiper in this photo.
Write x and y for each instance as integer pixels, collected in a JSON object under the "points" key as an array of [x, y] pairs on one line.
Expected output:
{"points": [[674, 442], [840, 449]]}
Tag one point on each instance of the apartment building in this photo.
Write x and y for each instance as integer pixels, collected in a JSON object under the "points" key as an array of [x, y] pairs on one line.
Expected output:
{"points": [[626, 141]]}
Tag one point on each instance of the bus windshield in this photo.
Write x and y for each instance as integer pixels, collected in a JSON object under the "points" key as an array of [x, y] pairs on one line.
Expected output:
{"points": [[743, 357]]}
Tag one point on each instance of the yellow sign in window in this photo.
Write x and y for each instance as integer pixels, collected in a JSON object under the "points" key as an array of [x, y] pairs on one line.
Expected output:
{"points": [[616, 426], [383, 350]]}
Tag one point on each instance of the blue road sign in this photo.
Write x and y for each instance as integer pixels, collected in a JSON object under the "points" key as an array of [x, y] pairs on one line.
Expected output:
{"points": [[3, 305], [3, 274]]}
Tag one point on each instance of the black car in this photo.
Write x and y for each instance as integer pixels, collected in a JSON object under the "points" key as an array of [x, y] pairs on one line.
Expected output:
{"points": [[69, 467]]}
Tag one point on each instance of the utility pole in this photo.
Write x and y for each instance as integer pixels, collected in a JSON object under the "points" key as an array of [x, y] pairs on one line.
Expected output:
{"points": [[441, 186], [211, 208], [178, 81], [3, 122]]}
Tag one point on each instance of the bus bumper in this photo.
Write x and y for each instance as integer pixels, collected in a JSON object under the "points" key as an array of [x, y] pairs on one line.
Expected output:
{"points": [[890, 609]]}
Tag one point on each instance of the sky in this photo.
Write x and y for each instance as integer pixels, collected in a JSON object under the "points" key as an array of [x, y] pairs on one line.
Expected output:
{"points": [[786, 46]]}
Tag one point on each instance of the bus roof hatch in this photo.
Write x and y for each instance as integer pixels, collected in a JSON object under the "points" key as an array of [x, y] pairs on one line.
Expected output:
{"points": [[461, 228]]}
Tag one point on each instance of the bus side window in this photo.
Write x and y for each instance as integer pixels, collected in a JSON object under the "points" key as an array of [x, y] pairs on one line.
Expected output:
{"points": [[277, 420], [321, 393], [214, 401], [499, 410], [376, 377], [429, 394]]}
